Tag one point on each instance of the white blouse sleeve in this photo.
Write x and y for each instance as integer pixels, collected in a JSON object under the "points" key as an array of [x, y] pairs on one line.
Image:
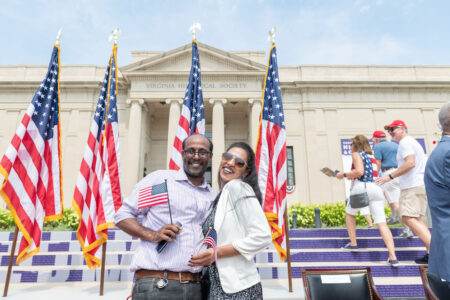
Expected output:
{"points": [[250, 215]]}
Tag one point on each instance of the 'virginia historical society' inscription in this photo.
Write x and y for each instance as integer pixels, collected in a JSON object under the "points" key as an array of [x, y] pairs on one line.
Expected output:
{"points": [[205, 85]]}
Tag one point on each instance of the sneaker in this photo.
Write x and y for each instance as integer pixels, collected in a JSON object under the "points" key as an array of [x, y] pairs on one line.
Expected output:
{"points": [[407, 233], [422, 260], [392, 220], [393, 262], [349, 247], [370, 227]]}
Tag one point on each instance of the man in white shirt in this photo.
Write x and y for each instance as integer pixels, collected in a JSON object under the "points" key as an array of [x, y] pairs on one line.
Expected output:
{"points": [[411, 161]]}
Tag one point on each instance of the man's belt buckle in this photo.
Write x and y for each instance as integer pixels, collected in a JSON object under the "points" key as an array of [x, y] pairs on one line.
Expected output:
{"points": [[181, 281]]}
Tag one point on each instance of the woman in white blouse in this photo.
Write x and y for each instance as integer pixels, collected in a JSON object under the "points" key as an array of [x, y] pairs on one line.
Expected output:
{"points": [[241, 226]]}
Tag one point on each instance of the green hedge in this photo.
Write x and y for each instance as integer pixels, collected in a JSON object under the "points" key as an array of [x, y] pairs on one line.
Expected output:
{"points": [[331, 215], [69, 221]]}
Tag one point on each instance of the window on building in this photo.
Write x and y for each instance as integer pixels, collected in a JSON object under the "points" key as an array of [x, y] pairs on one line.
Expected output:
{"points": [[290, 166]]}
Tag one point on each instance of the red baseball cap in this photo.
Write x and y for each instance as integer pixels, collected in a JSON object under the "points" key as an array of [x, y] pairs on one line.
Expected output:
{"points": [[378, 134], [395, 123]]}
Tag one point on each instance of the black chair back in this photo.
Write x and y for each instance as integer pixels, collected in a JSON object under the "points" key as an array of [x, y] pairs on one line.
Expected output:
{"points": [[339, 284]]}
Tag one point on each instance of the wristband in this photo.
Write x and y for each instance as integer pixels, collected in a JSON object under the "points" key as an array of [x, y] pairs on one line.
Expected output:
{"points": [[345, 175], [390, 176]]}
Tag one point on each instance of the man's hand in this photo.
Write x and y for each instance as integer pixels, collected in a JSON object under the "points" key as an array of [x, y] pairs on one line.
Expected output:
{"points": [[203, 259], [166, 233], [382, 180]]}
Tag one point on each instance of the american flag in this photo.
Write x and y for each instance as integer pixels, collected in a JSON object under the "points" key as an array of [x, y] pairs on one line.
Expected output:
{"points": [[271, 154], [211, 238], [153, 195], [31, 166], [97, 193], [192, 119]]}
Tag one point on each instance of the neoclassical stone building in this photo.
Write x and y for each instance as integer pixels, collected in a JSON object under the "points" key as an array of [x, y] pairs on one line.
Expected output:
{"points": [[323, 104]]}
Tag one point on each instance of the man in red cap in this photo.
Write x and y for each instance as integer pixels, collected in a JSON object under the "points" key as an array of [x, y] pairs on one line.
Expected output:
{"points": [[385, 153], [411, 161]]}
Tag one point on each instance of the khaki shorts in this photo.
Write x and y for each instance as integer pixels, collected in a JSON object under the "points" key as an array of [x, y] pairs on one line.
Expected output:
{"points": [[413, 202]]}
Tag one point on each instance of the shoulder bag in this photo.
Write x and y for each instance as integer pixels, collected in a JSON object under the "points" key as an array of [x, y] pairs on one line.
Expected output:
{"points": [[360, 200]]}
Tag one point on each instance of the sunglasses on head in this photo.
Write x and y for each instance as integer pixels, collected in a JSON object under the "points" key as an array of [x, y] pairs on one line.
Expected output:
{"points": [[238, 162]]}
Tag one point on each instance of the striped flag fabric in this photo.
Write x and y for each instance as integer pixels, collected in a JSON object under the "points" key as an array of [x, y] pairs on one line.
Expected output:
{"points": [[97, 193], [153, 195], [192, 118], [31, 166], [271, 162], [211, 238]]}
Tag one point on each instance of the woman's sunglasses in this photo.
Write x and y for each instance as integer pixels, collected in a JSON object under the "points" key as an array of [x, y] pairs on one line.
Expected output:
{"points": [[238, 162]]}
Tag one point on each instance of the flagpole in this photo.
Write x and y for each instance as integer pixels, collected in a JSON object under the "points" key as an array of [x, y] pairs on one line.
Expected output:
{"points": [[11, 259], [288, 248], [168, 202], [102, 272]]}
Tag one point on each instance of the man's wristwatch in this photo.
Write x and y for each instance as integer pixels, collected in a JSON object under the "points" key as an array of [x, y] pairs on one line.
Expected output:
{"points": [[345, 175], [390, 176]]}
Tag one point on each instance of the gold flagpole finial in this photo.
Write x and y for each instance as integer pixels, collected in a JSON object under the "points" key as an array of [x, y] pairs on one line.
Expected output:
{"points": [[58, 36], [193, 29], [114, 35], [271, 36]]}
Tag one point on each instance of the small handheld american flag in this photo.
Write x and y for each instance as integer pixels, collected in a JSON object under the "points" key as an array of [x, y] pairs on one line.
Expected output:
{"points": [[211, 240], [153, 195]]}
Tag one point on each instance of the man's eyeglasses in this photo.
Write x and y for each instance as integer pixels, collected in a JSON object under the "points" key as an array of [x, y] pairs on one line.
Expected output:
{"points": [[238, 162], [391, 129], [190, 153]]}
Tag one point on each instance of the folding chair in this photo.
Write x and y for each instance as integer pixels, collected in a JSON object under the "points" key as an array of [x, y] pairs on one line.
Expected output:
{"points": [[434, 288], [339, 284]]}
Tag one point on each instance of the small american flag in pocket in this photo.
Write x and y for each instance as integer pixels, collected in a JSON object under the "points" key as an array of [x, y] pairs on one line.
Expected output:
{"points": [[153, 195]]}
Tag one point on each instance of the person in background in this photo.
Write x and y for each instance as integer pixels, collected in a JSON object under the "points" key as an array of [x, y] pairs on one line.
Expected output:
{"points": [[411, 161], [241, 226], [437, 185], [362, 174], [386, 155], [166, 274]]}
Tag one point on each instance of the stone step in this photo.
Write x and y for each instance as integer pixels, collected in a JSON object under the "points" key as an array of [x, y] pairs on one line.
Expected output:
{"points": [[131, 245], [338, 232], [124, 258], [396, 287], [402, 274], [116, 234]]}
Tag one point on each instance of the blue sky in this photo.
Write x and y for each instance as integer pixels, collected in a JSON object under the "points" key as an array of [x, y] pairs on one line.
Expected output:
{"points": [[337, 32]]}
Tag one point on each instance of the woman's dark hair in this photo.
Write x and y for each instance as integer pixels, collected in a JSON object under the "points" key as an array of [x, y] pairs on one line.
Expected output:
{"points": [[252, 177]]}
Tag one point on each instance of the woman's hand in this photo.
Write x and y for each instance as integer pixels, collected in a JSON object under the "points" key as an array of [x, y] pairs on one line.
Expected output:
{"points": [[203, 259], [340, 175]]}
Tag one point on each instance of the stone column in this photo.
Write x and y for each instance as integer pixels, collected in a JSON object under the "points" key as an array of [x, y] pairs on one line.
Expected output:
{"points": [[218, 137], [134, 144], [253, 119], [174, 117]]}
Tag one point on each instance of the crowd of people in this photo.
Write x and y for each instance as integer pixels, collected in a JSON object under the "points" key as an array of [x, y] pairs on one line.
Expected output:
{"points": [[398, 172]]}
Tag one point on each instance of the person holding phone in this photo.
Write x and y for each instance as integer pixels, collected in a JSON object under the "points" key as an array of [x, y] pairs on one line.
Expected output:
{"points": [[241, 226], [362, 174], [160, 261]]}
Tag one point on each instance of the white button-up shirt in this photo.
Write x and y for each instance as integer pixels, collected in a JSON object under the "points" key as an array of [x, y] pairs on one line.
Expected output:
{"points": [[189, 205]]}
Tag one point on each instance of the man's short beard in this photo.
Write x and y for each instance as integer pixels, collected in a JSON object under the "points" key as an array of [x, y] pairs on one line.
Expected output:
{"points": [[194, 175]]}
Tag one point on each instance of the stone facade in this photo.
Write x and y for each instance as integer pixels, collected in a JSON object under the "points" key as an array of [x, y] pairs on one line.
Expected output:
{"points": [[323, 104]]}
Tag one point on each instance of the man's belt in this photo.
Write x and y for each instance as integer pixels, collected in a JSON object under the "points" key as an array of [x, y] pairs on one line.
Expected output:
{"points": [[387, 169], [181, 276]]}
